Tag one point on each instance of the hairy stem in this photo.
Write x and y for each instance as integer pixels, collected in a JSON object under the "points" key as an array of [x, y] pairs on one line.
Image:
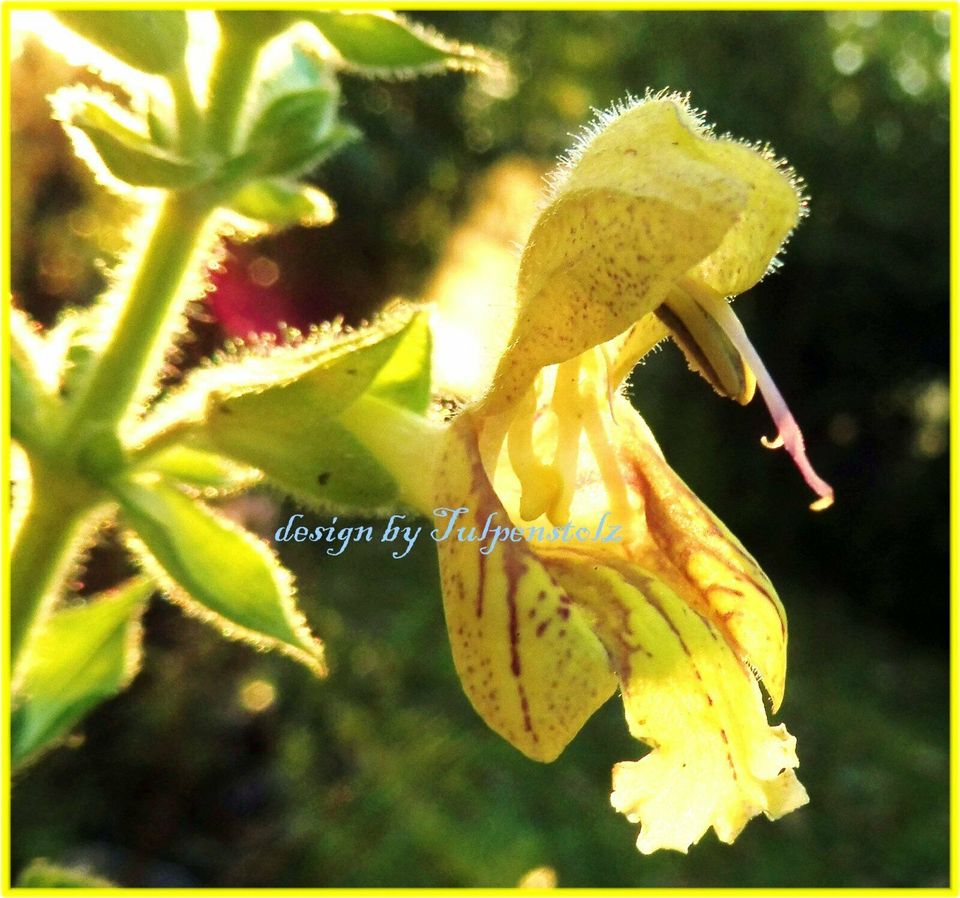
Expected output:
{"points": [[43, 552], [61, 498], [132, 350]]}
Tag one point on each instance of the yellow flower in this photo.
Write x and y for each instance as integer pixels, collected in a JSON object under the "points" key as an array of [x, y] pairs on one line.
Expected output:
{"points": [[572, 557]]}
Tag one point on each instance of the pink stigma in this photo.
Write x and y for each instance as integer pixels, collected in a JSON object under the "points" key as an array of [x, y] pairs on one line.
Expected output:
{"points": [[788, 431]]}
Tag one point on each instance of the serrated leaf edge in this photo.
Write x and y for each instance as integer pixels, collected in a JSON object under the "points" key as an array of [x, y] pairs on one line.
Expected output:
{"points": [[231, 630], [460, 57], [132, 657], [187, 405]]}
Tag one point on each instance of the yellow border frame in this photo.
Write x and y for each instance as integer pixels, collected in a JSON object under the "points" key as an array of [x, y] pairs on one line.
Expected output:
{"points": [[8, 6]]}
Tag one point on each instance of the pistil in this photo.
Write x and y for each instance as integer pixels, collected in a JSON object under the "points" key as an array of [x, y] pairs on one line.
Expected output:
{"points": [[789, 435]]}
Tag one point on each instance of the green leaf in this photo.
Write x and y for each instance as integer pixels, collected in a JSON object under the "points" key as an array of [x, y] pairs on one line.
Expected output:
{"points": [[85, 654], [25, 427], [207, 471], [293, 72], [280, 204], [131, 156], [215, 569], [75, 342], [383, 42], [41, 874], [32, 405], [153, 41], [299, 116], [342, 134]]}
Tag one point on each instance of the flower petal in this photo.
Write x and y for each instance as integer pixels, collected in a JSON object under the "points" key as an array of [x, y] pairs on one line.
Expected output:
{"points": [[665, 528], [525, 654], [715, 760], [687, 546], [649, 195], [639, 207], [773, 209]]}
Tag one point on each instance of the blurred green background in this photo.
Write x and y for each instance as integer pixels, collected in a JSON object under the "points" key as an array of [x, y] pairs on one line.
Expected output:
{"points": [[223, 767]]}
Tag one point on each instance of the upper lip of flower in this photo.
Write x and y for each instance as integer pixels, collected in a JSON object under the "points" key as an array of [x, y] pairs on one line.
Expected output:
{"points": [[653, 222]]}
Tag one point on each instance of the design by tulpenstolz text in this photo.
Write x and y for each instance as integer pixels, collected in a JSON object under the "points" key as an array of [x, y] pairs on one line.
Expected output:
{"points": [[450, 526]]}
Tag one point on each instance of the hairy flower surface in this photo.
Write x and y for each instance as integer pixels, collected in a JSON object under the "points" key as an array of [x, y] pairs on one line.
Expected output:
{"points": [[651, 224]]}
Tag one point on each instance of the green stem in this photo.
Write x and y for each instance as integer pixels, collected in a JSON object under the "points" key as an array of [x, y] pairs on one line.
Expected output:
{"points": [[189, 124], [166, 260], [228, 91], [43, 552], [133, 348], [177, 434], [60, 496]]}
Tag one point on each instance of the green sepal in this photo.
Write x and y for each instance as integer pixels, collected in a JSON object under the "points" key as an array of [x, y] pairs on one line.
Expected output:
{"points": [[315, 460], [153, 41], [160, 125], [131, 156], [405, 379], [215, 569], [290, 430], [208, 472], [296, 132], [279, 410], [318, 376], [280, 204], [385, 43], [83, 655]]}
